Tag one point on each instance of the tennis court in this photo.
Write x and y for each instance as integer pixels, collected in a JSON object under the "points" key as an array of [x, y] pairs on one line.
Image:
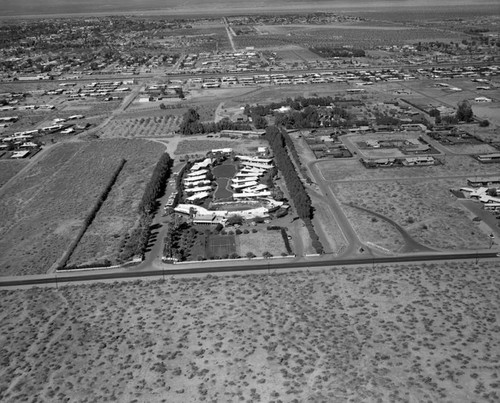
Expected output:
{"points": [[220, 245]]}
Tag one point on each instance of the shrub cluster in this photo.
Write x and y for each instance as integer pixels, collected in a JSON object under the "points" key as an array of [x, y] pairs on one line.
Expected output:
{"points": [[326, 51], [191, 124], [297, 104], [316, 243], [284, 234]]}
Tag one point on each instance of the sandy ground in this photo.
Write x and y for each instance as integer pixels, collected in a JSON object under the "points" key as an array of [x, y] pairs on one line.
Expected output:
{"points": [[425, 333], [425, 209]]}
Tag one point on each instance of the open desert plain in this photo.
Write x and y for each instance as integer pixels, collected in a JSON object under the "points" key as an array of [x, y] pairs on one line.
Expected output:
{"points": [[407, 333], [223, 201]]}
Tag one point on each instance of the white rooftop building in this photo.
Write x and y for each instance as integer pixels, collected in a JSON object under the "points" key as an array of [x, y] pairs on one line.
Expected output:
{"points": [[244, 185], [198, 196], [197, 173], [198, 189], [201, 165], [194, 179]]}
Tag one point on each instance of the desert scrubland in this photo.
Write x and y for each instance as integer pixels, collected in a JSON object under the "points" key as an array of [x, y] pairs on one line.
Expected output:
{"points": [[421, 333]]}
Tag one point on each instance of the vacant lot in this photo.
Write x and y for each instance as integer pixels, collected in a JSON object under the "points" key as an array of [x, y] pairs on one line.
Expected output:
{"points": [[373, 230], [45, 207], [453, 165], [118, 215], [426, 333], [10, 168], [425, 209]]}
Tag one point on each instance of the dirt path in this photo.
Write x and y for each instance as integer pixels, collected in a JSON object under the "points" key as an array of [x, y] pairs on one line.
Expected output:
{"points": [[229, 34], [218, 112]]}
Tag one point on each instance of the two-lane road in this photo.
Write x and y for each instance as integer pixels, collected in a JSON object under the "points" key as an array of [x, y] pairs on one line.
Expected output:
{"points": [[270, 265]]}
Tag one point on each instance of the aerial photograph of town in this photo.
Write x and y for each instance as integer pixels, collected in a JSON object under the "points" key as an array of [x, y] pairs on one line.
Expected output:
{"points": [[229, 201]]}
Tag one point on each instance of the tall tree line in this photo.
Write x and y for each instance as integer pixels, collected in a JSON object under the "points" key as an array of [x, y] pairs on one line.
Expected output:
{"points": [[298, 193], [137, 242]]}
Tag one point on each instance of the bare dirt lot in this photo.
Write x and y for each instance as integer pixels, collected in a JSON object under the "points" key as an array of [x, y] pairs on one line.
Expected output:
{"points": [[426, 210], [453, 165], [425, 333]]}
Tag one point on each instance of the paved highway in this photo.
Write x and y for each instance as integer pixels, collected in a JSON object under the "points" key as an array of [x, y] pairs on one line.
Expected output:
{"points": [[177, 270]]}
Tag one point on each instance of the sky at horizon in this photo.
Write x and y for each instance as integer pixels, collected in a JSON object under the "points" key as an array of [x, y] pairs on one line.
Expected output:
{"points": [[44, 7]]}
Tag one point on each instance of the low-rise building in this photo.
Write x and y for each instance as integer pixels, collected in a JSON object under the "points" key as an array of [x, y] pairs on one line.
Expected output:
{"points": [[495, 157], [413, 161], [484, 181]]}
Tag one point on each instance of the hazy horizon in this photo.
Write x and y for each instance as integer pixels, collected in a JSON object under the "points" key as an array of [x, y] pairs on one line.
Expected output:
{"points": [[20, 8]]}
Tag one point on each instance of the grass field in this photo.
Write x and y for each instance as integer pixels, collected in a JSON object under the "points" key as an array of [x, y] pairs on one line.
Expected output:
{"points": [[118, 214], [260, 242], [45, 207], [407, 333]]}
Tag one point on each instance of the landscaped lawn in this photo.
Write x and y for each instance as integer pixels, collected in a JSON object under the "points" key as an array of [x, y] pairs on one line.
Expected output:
{"points": [[260, 242], [222, 192], [224, 170]]}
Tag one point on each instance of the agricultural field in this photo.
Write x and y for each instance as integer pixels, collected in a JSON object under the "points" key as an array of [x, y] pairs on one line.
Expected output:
{"points": [[402, 333], [294, 53], [149, 126], [44, 208], [9, 169], [118, 215], [425, 209], [357, 35], [87, 107]]}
